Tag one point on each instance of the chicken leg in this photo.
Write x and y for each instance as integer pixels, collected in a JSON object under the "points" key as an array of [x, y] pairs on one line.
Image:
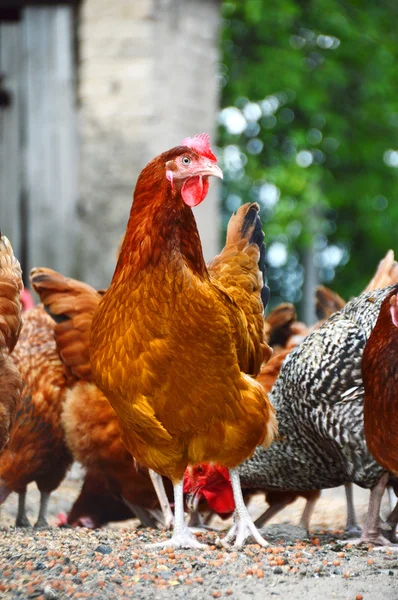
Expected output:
{"points": [[307, 513], [158, 484], [352, 528], [269, 513], [182, 536], [22, 520], [243, 526], [392, 497], [371, 533], [41, 522]]}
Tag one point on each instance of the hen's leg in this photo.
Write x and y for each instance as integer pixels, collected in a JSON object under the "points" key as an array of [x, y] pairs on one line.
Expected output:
{"points": [[391, 497], [158, 484], [182, 537], [352, 528], [371, 533], [390, 525], [243, 526], [307, 513], [269, 513], [22, 520], [41, 522], [141, 513]]}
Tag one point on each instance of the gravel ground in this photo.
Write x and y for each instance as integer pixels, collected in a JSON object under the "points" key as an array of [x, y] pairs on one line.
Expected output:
{"points": [[115, 562]]}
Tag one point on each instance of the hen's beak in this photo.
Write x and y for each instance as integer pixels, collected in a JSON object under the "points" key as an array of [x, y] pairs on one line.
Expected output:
{"points": [[192, 501], [212, 169]]}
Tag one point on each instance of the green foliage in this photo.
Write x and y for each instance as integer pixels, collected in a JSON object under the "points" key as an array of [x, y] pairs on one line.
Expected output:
{"points": [[325, 74]]}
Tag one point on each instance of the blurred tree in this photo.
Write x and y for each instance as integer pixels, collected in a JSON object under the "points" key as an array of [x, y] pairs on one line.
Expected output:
{"points": [[309, 128]]}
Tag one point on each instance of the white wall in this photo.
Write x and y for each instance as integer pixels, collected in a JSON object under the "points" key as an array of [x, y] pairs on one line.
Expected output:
{"points": [[147, 78]]}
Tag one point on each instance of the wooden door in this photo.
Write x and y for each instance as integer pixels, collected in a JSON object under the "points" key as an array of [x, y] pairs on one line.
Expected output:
{"points": [[38, 138], [11, 193]]}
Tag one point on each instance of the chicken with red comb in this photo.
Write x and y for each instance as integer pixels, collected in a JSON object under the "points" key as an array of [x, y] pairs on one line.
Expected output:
{"points": [[174, 343], [211, 483]]}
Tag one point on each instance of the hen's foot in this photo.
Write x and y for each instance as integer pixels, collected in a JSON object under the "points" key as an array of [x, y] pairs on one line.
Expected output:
{"points": [[240, 531], [375, 539], [184, 539], [353, 531], [41, 523], [22, 521]]}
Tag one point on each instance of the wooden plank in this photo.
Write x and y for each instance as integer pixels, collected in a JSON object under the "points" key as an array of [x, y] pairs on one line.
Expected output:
{"points": [[16, 4], [10, 134], [51, 145]]}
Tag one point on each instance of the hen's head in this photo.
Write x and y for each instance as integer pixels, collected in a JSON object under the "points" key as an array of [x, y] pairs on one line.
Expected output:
{"points": [[210, 483], [189, 166]]}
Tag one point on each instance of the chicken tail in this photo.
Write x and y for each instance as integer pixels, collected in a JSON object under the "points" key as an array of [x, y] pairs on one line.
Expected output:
{"points": [[10, 289], [71, 304], [386, 273], [278, 324], [327, 303], [246, 224]]}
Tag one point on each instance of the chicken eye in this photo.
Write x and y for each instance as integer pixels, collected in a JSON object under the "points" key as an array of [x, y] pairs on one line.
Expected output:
{"points": [[186, 160]]}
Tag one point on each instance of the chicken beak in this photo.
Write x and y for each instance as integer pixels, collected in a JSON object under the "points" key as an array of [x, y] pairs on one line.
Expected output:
{"points": [[192, 501], [214, 170]]}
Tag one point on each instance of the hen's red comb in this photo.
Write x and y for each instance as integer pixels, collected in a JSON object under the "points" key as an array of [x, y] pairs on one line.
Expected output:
{"points": [[201, 144]]}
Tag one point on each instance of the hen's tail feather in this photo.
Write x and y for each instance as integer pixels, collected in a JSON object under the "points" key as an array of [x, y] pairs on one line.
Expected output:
{"points": [[246, 224], [10, 289], [278, 324], [71, 304], [327, 302], [386, 273]]}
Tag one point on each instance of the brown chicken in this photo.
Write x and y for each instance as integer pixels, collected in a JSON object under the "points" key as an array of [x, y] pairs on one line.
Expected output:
{"points": [[36, 450], [171, 341], [10, 327], [96, 505], [380, 381], [90, 423]]}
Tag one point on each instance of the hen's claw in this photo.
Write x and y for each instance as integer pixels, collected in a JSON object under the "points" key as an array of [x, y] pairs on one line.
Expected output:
{"points": [[353, 531], [185, 539], [41, 524], [240, 531], [23, 521]]}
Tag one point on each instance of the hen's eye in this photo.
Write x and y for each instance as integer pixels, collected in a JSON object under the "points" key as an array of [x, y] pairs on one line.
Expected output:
{"points": [[186, 160]]}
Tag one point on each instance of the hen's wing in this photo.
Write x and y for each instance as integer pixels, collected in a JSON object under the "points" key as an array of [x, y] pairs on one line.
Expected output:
{"points": [[240, 269], [386, 273], [71, 304]]}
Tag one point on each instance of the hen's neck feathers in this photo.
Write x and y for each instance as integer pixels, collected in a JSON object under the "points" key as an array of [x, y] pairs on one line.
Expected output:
{"points": [[161, 225]]}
